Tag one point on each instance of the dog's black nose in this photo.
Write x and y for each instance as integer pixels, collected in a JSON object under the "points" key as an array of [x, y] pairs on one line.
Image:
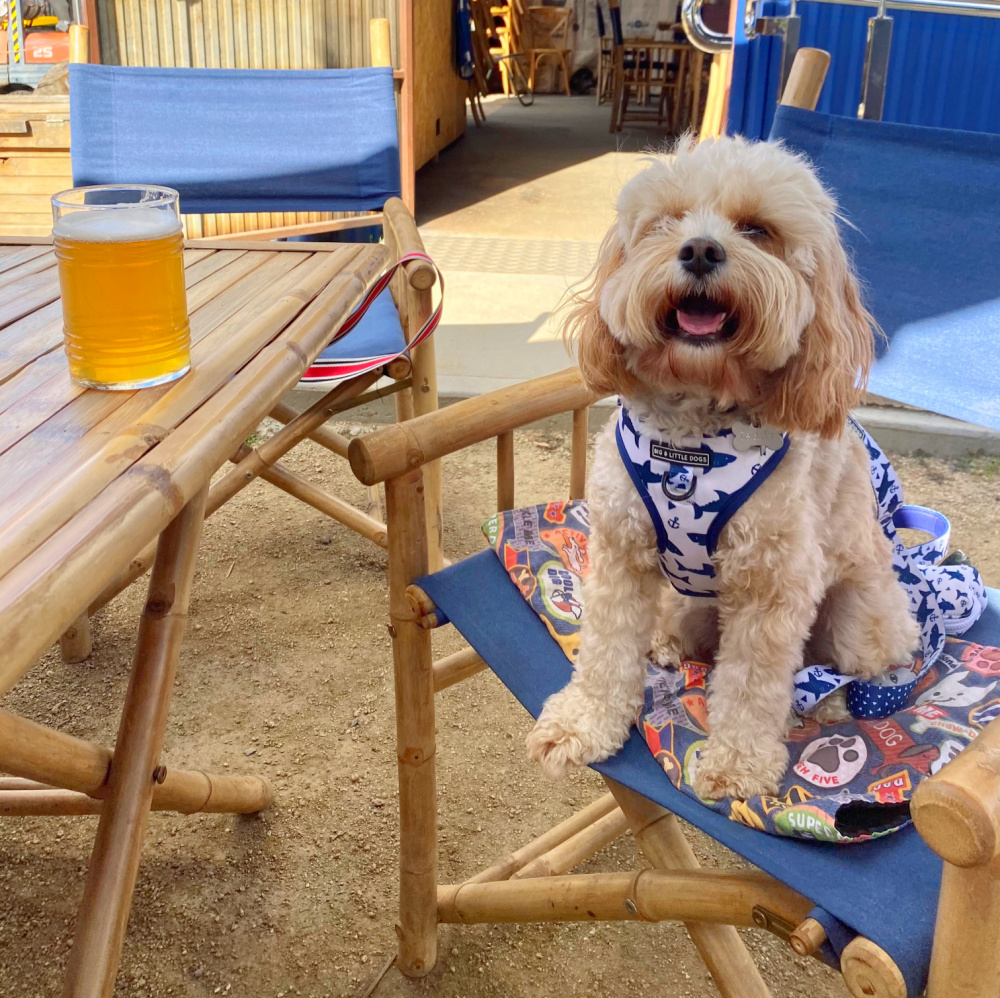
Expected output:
{"points": [[701, 256]]}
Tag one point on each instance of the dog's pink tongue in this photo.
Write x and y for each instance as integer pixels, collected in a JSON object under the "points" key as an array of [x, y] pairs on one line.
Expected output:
{"points": [[700, 323]]}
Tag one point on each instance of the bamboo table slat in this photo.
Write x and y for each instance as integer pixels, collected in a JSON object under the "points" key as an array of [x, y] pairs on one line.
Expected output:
{"points": [[90, 478]]}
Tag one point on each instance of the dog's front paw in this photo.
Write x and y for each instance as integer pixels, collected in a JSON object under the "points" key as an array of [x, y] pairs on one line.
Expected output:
{"points": [[832, 709], [723, 772], [573, 731], [665, 649], [556, 747]]}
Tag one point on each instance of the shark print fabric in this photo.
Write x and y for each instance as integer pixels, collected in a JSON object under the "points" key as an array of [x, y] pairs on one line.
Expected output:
{"points": [[846, 782], [692, 486]]}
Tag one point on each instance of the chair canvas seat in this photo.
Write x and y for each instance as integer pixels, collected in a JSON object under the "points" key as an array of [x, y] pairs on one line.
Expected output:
{"points": [[886, 890], [378, 335]]}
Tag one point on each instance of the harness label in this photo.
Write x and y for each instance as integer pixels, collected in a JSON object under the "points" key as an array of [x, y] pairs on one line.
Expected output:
{"points": [[699, 458]]}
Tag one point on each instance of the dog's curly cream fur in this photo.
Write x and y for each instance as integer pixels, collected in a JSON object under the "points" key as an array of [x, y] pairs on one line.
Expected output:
{"points": [[803, 566]]}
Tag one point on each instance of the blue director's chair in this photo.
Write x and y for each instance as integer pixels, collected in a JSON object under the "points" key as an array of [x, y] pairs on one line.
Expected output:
{"points": [[234, 141], [918, 909]]}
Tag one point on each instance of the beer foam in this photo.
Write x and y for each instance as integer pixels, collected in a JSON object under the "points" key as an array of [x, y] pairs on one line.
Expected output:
{"points": [[117, 225]]}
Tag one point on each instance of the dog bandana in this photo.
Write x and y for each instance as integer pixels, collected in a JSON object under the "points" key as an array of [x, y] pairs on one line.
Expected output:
{"points": [[692, 486], [846, 782]]}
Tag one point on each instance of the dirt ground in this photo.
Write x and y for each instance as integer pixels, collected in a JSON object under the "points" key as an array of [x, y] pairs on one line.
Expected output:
{"points": [[286, 671]]}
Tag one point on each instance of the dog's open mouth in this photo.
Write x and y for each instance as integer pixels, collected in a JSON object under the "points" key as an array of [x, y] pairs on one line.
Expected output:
{"points": [[700, 319]]}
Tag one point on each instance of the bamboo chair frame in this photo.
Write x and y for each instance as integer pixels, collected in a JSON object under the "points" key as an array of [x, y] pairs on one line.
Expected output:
{"points": [[957, 812], [415, 392]]}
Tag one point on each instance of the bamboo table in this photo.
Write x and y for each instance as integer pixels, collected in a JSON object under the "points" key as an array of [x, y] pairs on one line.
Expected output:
{"points": [[90, 479]]}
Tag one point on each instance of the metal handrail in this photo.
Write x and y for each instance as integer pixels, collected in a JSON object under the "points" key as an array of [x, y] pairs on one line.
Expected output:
{"points": [[699, 34], [973, 8], [702, 37]]}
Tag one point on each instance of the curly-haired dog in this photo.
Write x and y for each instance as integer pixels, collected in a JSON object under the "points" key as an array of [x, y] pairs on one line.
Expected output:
{"points": [[723, 298]]}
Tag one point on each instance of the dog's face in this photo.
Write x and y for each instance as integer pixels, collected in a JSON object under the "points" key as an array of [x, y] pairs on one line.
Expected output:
{"points": [[724, 275]]}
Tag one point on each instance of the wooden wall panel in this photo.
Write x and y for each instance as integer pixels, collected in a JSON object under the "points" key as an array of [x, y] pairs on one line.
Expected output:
{"points": [[439, 92], [34, 164], [213, 34], [292, 34]]}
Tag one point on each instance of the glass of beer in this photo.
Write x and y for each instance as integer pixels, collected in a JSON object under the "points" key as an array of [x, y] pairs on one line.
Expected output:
{"points": [[121, 271]]}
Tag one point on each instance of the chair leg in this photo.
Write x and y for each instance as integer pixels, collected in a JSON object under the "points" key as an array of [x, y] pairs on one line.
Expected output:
{"points": [[965, 962], [415, 736], [697, 64], [374, 505], [425, 399], [114, 864], [623, 107], [565, 73], [531, 71], [616, 97], [664, 845]]}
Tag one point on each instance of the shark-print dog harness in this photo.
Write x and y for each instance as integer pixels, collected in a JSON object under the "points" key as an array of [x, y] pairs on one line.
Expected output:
{"points": [[692, 486]]}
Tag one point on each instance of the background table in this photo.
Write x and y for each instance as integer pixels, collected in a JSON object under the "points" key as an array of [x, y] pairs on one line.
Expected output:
{"points": [[88, 479]]}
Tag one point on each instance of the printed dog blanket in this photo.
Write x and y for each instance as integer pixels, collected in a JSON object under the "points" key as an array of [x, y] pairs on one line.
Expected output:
{"points": [[846, 782]]}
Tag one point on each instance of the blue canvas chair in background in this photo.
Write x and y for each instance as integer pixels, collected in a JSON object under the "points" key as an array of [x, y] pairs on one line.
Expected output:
{"points": [[234, 141], [918, 909]]}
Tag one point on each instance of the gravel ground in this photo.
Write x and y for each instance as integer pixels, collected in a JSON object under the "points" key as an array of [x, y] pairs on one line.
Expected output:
{"points": [[286, 671]]}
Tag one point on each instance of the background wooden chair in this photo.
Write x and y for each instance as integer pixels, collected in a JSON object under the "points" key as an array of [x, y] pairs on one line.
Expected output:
{"points": [[260, 153], [605, 59], [868, 908], [547, 30], [643, 70], [506, 29]]}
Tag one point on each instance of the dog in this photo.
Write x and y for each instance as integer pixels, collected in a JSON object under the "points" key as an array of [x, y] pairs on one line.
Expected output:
{"points": [[723, 298]]}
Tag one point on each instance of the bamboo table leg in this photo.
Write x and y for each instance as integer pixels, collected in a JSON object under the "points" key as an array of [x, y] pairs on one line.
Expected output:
{"points": [[114, 864], [664, 845], [76, 643]]}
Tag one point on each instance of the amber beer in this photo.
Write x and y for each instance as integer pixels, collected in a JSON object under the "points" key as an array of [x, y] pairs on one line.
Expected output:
{"points": [[121, 272]]}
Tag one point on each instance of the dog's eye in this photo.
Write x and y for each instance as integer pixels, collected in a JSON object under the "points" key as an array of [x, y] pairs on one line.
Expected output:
{"points": [[752, 229]]}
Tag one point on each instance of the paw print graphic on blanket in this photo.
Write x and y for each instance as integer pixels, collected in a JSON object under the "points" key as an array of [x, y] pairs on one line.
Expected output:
{"points": [[846, 782]]}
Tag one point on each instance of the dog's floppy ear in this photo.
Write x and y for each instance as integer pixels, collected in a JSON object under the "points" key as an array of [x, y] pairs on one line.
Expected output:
{"points": [[600, 356], [827, 377]]}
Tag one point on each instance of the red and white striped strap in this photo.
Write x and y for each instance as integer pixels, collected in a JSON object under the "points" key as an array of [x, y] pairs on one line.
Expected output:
{"points": [[338, 370]]}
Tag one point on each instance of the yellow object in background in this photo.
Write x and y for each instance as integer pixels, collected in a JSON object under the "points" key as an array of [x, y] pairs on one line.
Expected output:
{"points": [[121, 272]]}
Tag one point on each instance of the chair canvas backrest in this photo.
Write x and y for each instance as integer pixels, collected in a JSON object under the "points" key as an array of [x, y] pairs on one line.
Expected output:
{"points": [[239, 140], [601, 30], [923, 228], [617, 35]]}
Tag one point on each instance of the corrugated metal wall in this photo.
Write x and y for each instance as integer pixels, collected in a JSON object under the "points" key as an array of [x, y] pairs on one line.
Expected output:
{"points": [[943, 68], [242, 34], [255, 34]]}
